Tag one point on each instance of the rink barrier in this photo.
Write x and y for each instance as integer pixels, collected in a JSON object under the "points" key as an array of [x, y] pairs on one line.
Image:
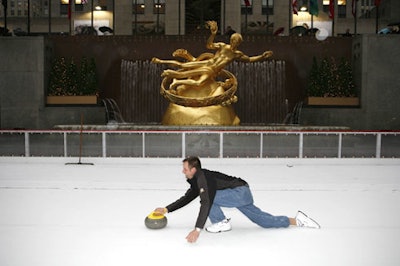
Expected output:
{"points": [[214, 144]]}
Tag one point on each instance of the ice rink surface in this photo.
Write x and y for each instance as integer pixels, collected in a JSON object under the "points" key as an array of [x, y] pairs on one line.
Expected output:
{"points": [[53, 214]]}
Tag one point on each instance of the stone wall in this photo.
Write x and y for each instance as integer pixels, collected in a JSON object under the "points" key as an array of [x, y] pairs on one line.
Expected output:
{"points": [[22, 72], [23, 79], [376, 62]]}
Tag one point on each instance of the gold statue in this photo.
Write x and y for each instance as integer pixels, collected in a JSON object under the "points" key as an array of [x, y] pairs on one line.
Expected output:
{"points": [[201, 91]]}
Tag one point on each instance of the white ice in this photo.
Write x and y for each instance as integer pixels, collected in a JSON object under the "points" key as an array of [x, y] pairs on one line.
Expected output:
{"points": [[53, 214]]}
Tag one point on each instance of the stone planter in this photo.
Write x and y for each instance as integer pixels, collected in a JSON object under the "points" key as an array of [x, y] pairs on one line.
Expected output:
{"points": [[89, 99], [333, 101]]}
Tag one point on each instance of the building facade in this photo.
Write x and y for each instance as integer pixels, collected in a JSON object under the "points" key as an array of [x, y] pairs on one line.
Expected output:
{"points": [[180, 17]]}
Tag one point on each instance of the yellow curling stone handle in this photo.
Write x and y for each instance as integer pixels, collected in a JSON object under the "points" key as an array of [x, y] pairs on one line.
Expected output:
{"points": [[155, 216]]}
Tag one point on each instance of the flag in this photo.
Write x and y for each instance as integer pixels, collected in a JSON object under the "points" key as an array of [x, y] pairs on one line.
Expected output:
{"points": [[314, 7], [294, 6], [247, 2], [4, 2], [69, 9], [354, 7], [331, 9], [377, 3]]}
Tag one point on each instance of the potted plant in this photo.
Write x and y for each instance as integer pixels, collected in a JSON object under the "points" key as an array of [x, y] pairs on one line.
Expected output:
{"points": [[331, 84], [70, 84]]}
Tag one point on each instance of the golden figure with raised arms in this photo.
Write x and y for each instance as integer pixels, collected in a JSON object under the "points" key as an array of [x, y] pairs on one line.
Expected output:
{"points": [[196, 94]]}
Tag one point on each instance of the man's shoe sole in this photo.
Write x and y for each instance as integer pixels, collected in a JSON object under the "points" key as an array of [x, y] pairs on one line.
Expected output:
{"points": [[221, 231]]}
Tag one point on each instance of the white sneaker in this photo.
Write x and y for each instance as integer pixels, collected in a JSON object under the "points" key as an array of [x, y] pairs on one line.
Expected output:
{"points": [[222, 226], [302, 220]]}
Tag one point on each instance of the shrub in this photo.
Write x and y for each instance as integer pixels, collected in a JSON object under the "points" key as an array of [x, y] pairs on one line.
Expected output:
{"points": [[328, 79], [67, 79]]}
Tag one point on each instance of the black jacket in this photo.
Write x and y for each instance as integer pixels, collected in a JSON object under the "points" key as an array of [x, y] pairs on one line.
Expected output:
{"points": [[205, 183]]}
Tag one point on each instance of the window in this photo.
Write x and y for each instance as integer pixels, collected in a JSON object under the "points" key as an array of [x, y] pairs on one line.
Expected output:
{"points": [[159, 7], [303, 5], [35, 9], [100, 5], [11, 7], [270, 7], [366, 8], [21, 8], [341, 9], [79, 5], [64, 7], [247, 7], [138, 6]]}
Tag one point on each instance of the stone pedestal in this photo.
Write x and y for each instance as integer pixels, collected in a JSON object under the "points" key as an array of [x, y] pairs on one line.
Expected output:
{"points": [[209, 115]]}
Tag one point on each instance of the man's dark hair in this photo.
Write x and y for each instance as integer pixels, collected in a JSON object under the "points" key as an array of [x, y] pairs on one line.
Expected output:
{"points": [[193, 161]]}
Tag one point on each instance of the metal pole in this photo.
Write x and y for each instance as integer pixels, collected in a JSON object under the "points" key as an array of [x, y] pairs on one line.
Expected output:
{"points": [[290, 16], [158, 16], [179, 17], [65, 145], [245, 19], [92, 15], [135, 16], [104, 144], [113, 19], [69, 16], [333, 17], [378, 145], [312, 22], [224, 16], [29, 17], [143, 144], [49, 6], [4, 2], [377, 19], [301, 145], [27, 145], [340, 143], [183, 145], [221, 145], [355, 18], [267, 14], [202, 13]]}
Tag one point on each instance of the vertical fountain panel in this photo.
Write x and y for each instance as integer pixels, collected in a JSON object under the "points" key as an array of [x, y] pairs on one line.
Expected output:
{"points": [[261, 92], [140, 100]]}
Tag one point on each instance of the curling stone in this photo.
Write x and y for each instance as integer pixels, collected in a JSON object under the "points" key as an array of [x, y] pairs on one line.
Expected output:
{"points": [[155, 221]]}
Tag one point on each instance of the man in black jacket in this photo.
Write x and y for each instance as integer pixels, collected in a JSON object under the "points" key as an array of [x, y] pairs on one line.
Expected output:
{"points": [[218, 190]]}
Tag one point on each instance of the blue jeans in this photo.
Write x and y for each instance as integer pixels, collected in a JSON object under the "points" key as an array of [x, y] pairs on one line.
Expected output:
{"points": [[242, 199]]}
